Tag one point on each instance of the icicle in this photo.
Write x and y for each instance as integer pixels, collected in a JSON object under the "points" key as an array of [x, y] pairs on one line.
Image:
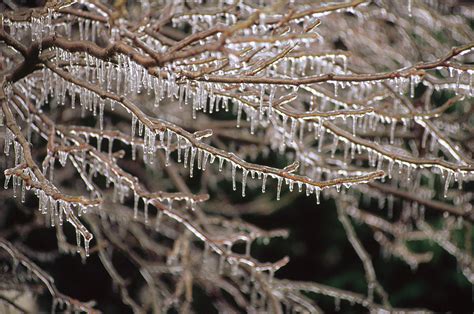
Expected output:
{"points": [[204, 161], [379, 161], [7, 179], [145, 210], [262, 93], [221, 163], [134, 150], [458, 79], [334, 146], [292, 129], [199, 159], [157, 88], [270, 100], [63, 158], [264, 182], [86, 246], [460, 180], [191, 161], [290, 184], [111, 144], [408, 175], [244, 181], [134, 123], [392, 130], [178, 143], [354, 124], [446, 183], [9, 137], [135, 205], [17, 150], [14, 185], [280, 181], [320, 142], [185, 158], [78, 240], [233, 176], [412, 84], [317, 191], [239, 114], [140, 128], [51, 168], [101, 114], [390, 168]]}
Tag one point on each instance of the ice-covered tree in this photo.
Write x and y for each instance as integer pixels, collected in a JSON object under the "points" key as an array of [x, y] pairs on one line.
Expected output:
{"points": [[133, 123]]}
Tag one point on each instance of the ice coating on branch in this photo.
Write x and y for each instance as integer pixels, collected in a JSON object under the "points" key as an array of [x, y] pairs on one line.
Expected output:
{"points": [[360, 124]]}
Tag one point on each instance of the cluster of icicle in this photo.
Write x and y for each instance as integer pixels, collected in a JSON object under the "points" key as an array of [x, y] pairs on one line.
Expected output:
{"points": [[50, 204], [104, 73], [335, 116]]}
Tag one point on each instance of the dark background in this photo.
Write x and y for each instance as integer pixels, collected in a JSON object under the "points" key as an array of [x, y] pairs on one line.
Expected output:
{"points": [[317, 246]]}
